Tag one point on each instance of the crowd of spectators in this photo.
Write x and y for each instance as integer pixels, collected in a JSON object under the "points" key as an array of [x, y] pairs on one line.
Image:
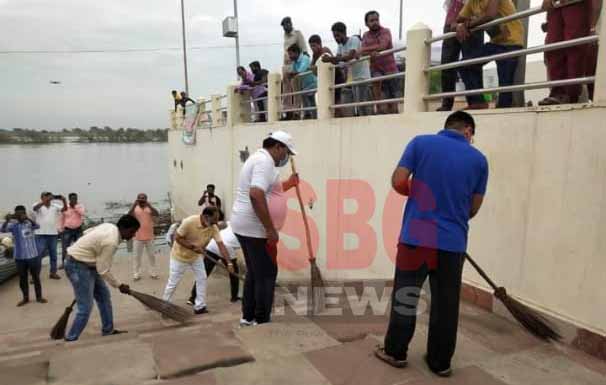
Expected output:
{"points": [[361, 58]]}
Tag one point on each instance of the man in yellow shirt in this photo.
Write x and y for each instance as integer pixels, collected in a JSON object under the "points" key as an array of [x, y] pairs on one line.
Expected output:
{"points": [[192, 237], [504, 38]]}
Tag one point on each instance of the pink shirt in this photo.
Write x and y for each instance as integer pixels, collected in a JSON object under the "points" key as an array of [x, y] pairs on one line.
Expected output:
{"points": [[73, 217], [454, 8], [146, 220], [381, 65], [277, 205]]}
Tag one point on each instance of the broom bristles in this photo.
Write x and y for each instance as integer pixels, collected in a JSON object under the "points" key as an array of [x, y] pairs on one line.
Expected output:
{"points": [[58, 331], [317, 288], [170, 310], [531, 320]]}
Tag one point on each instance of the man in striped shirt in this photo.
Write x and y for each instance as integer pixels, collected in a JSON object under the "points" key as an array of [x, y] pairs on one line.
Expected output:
{"points": [[26, 252]]}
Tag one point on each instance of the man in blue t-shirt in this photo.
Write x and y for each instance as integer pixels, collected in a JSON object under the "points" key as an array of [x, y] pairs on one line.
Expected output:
{"points": [[301, 64], [26, 253], [447, 187]]}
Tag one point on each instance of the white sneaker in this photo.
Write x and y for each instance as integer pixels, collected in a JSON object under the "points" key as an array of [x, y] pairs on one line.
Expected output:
{"points": [[136, 278], [244, 323]]}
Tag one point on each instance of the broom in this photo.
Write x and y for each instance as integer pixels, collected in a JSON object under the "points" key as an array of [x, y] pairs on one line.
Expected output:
{"points": [[317, 283], [530, 320], [218, 263], [167, 309], [58, 331]]}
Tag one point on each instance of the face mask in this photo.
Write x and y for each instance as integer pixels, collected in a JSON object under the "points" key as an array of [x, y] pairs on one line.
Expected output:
{"points": [[284, 162]]}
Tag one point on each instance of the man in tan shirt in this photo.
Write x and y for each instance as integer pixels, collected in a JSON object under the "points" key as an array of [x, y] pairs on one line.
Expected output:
{"points": [[192, 237], [88, 266]]}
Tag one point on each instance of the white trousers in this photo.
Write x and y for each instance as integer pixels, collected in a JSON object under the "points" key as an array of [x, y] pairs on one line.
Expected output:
{"points": [[151, 257], [177, 269]]}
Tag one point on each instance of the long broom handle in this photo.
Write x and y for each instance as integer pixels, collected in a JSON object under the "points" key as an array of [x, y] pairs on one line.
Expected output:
{"points": [[481, 272], [241, 277], [307, 234]]}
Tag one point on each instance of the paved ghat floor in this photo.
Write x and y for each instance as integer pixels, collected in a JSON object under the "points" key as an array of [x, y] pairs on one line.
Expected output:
{"points": [[329, 349]]}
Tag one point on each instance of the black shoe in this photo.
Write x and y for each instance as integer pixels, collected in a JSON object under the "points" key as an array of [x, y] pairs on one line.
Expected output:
{"points": [[54, 276], [22, 302], [438, 372], [235, 299], [41, 300], [191, 302], [201, 311], [116, 331]]}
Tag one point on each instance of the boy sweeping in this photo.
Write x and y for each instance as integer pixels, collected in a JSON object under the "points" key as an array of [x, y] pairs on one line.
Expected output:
{"points": [[193, 235]]}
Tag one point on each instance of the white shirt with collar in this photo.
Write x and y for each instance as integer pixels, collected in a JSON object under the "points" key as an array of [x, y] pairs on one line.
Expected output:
{"points": [[48, 218], [259, 171], [97, 248]]}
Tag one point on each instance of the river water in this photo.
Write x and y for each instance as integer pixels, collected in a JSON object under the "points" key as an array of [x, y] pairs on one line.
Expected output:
{"points": [[107, 177]]}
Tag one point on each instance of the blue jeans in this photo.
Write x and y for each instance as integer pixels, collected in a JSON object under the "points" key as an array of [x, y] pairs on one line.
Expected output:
{"points": [[88, 285], [48, 244], [472, 76], [70, 236]]}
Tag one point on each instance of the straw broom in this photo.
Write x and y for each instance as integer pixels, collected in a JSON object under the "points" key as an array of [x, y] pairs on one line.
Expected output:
{"points": [[530, 320], [58, 331], [167, 309], [317, 283]]}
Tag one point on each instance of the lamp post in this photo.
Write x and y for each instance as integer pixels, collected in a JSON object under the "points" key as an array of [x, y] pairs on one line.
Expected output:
{"points": [[184, 47], [237, 33], [401, 13]]}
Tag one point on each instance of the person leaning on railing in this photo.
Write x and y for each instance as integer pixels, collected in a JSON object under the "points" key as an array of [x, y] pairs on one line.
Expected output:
{"points": [[348, 49], [451, 50], [567, 20], [301, 64], [505, 37], [375, 40], [291, 36], [260, 87]]}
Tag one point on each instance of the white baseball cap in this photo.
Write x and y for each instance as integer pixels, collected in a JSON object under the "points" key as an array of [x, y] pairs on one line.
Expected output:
{"points": [[285, 138]]}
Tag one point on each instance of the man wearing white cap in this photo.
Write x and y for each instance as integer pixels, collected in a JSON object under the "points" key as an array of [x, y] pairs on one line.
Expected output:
{"points": [[253, 226]]}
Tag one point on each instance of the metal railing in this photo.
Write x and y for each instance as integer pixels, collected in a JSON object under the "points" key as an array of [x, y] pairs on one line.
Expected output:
{"points": [[302, 92], [492, 23], [371, 80], [368, 103], [508, 55], [517, 87], [368, 57], [516, 53]]}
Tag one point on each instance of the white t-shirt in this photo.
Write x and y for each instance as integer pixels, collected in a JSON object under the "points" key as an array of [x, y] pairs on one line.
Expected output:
{"points": [[361, 69], [229, 240], [48, 219], [259, 171]]}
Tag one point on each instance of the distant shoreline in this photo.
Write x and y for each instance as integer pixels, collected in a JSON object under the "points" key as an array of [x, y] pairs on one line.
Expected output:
{"points": [[77, 135]]}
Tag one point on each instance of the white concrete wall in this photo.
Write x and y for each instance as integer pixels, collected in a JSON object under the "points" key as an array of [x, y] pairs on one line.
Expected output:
{"points": [[540, 232]]}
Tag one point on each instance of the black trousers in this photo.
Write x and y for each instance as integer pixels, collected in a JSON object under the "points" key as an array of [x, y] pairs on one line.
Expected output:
{"points": [[260, 282], [33, 266], [209, 266], [451, 50], [445, 285]]}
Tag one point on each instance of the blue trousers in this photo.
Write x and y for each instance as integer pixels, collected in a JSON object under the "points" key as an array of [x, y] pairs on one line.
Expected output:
{"points": [[47, 244], [88, 285], [472, 75]]}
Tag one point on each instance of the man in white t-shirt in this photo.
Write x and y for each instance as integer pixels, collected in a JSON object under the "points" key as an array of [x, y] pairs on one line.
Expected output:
{"points": [[253, 226], [47, 214]]}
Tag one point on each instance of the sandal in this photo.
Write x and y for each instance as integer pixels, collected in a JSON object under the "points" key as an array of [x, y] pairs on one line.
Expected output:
{"points": [[380, 354]]}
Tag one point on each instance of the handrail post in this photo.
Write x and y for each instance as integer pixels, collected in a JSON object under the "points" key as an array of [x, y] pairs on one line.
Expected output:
{"points": [[599, 93], [234, 106], [274, 96], [325, 95], [418, 55], [215, 107]]}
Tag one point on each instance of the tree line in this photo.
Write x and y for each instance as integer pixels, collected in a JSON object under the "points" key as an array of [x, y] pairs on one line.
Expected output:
{"points": [[77, 135]]}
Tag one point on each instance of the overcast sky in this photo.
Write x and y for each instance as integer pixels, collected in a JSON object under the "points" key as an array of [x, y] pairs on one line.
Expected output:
{"points": [[131, 89]]}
